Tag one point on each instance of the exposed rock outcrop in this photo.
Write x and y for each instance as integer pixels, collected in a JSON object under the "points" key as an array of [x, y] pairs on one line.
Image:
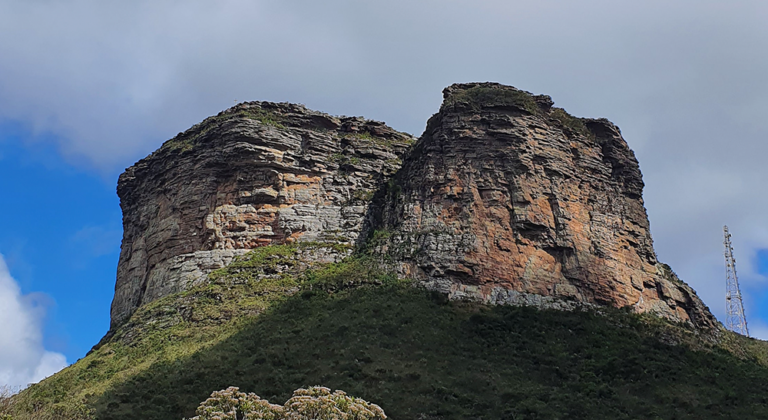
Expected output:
{"points": [[510, 200], [257, 174], [504, 198]]}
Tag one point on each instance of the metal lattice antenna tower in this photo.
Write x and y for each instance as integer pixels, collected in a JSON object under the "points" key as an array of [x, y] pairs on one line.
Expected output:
{"points": [[734, 308]]}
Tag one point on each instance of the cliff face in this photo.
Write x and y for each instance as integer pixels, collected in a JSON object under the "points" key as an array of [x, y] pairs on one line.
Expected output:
{"points": [[257, 174], [510, 200], [504, 198]]}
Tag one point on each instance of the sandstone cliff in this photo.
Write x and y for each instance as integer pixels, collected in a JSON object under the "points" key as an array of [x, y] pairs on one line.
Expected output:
{"points": [[257, 174], [504, 198], [510, 200]]}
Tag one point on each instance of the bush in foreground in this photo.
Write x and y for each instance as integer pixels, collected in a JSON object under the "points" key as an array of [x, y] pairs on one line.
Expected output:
{"points": [[315, 403]]}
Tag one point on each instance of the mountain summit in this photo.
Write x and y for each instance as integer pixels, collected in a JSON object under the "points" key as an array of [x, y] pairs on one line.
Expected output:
{"points": [[504, 199], [500, 266], [510, 200], [257, 174]]}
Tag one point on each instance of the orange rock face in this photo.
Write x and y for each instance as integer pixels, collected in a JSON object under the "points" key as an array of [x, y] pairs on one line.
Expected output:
{"points": [[510, 200]]}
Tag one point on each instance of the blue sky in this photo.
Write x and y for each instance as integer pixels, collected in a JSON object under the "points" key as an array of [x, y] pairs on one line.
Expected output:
{"points": [[60, 234], [88, 87]]}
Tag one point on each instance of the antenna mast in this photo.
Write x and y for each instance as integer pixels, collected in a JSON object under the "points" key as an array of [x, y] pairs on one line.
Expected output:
{"points": [[734, 308]]}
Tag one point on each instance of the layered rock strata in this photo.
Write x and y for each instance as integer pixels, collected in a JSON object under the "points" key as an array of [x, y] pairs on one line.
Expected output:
{"points": [[257, 174], [508, 199], [504, 198]]}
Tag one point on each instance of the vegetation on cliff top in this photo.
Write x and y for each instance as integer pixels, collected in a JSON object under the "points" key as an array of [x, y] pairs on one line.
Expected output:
{"points": [[351, 326], [187, 140], [480, 96]]}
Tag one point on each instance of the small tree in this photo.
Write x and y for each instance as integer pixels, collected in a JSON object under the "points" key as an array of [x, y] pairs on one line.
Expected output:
{"points": [[231, 404], [315, 403]]}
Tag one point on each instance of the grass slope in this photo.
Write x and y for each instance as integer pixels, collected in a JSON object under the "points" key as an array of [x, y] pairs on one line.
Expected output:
{"points": [[417, 356]]}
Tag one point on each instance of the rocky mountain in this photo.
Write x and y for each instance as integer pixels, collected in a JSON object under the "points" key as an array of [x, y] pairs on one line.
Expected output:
{"points": [[498, 267], [504, 198], [257, 174], [510, 200]]}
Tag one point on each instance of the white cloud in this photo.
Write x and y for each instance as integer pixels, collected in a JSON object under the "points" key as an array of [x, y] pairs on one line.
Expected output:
{"points": [[23, 359], [684, 80]]}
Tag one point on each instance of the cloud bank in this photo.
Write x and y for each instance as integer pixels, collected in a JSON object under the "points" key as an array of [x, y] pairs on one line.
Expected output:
{"points": [[23, 360], [685, 81]]}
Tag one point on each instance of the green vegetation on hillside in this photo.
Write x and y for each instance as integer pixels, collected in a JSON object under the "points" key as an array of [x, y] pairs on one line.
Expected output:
{"points": [[354, 327]]}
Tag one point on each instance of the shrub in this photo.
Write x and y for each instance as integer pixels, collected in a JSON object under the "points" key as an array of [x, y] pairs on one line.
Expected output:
{"points": [[314, 403], [348, 274], [5, 402], [479, 97], [570, 123]]}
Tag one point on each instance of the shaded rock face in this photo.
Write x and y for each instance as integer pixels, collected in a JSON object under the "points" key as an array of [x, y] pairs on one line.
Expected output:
{"points": [[257, 174], [510, 200]]}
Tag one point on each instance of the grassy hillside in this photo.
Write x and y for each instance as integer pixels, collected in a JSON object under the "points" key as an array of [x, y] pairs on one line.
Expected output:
{"points": [[349, 326]]}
